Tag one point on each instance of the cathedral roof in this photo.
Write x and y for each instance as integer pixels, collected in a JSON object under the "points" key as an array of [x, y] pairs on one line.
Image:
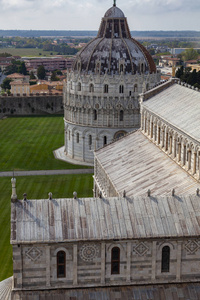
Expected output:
{"points": [[135, 164], [6, 288], [114, 50], [94, 219], [179, 106]]}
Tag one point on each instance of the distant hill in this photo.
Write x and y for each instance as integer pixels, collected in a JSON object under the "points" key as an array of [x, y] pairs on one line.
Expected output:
{"points": [[77, 33]]}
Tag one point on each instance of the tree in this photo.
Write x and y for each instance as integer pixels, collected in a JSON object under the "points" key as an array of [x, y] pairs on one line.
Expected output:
{"points": [[54, 77], [41, 73], [189, 54], [32, 76], [6, 84], [22, 68]]}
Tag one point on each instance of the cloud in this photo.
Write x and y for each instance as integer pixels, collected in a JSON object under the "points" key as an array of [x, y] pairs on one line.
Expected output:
{"points": [[87, 14]]}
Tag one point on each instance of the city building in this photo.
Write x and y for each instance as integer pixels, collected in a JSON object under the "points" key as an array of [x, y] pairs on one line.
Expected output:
{"points": [[49, 63], [47, 87], [101, 93], [19, 85]]}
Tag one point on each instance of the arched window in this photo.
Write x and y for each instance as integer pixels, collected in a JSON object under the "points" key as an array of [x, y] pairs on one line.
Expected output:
{"points": [[135, 88], [121, 115], [130, 93], [79, 87], [121, 89], [165, 259], [142, 68], [91, 88], [98, 68], [79, 66], [77, 137], [106, 88], [95, 114], [121, 68], [115, 260], [90, 140], [61, 264], [105, 140]]}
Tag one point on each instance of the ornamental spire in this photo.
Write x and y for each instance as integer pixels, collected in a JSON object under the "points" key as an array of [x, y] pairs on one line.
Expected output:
{"points": [[114, 3]]}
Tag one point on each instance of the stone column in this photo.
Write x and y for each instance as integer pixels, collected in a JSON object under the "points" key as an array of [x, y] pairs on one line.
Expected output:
{"points": [[103, 263], [75, 280], [199, 164], [155, 132], [72, 145], [83, 152], [153, 273], [128, 265], [195, 163], [142, 120], [151, 130], [159, 135], [148, 127], [48, 266], [145, 126], [178, 264], [179, 151], [174, 147], [163, 137], [184, 155], [166, 141], [189, 159], [170, 145]]}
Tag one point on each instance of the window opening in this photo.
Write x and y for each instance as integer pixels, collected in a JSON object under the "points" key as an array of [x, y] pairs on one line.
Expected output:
{"points": [[115, 260], [90, 140], [105, 140], [121, 89], [77, 137], [61, 264], [91, 88], [95, 114], [121, 115], [79, 86], [106, 88], [121, 68], [165, 259]]}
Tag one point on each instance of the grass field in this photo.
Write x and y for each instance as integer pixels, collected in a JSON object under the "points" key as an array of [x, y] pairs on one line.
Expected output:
{"points": [[27, 143], [36, 187], [29, 52]]}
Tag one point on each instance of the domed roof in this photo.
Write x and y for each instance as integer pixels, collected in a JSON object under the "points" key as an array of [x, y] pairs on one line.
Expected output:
{"points": [[114, 50], [114, 12]]}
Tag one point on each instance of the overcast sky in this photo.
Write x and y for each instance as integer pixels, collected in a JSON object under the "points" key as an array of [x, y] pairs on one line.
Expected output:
{"points": [[86, 14]]}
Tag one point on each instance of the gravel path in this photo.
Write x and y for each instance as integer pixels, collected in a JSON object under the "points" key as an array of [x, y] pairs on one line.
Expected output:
{"points": [[47, 172]]}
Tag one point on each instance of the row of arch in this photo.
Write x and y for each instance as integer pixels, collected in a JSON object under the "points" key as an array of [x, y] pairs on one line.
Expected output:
{"points": [[141, 67], [115, 261], [178, 146], [106, 88], [111, 117]]}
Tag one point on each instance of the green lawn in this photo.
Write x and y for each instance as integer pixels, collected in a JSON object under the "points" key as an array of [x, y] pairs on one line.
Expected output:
{"points": [[36, 187], [29, 52], [27, 143]]}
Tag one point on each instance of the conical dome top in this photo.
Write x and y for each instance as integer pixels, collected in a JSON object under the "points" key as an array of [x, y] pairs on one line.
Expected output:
{"points": [[114, 12]]}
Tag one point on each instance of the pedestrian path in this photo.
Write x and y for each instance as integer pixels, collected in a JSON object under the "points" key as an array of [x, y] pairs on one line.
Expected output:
{"points": [[47, 172]]}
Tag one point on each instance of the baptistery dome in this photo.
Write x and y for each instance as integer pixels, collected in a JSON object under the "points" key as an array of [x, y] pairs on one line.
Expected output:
{"points": [[114, 50], [100, 96]]}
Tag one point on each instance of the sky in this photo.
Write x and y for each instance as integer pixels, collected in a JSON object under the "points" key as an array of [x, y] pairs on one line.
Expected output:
{"points": [[87, 14]]}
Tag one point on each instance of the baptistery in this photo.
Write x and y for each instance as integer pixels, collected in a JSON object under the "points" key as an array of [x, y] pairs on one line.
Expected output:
{"points": [[101, 92]]}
